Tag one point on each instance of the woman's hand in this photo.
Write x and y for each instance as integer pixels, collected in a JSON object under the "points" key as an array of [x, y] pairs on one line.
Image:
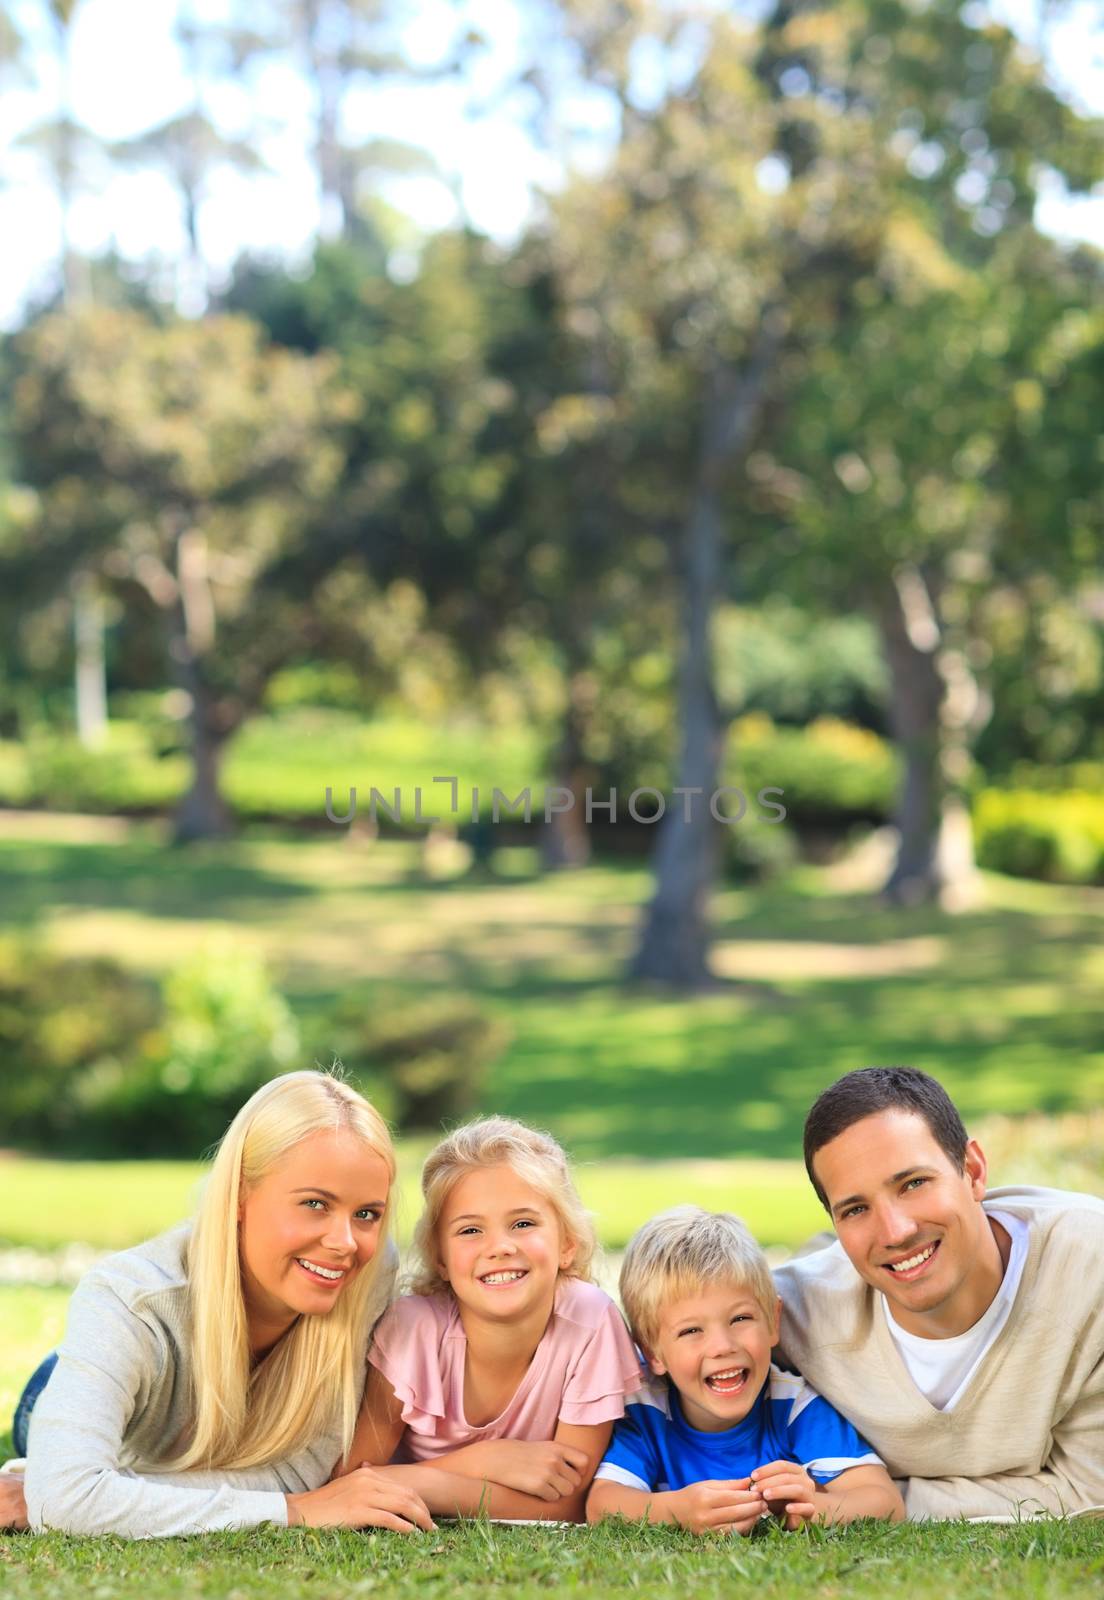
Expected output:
{"points": [[363, 1498], [13, 1506]]}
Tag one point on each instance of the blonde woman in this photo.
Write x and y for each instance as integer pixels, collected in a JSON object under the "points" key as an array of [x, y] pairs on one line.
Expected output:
{"points": [[211, 1378]]}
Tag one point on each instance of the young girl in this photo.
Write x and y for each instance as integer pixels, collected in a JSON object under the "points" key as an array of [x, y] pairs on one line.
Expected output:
{"points": [[496, 1383], [210, 1377]]}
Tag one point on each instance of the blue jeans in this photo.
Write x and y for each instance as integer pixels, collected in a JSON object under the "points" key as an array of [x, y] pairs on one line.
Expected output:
{"points": [[35, 1384]]}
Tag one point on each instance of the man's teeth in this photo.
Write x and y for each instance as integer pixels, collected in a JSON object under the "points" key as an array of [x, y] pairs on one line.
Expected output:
{"points": [[321, 1272], [913, 1261], [502, 1277]]}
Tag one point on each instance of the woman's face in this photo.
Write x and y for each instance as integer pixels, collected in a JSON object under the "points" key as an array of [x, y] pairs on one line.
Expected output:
{"points": [[306, 1229]]}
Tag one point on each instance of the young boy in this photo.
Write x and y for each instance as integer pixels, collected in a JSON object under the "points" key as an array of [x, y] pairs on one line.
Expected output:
{"points": [[721, 1437]]}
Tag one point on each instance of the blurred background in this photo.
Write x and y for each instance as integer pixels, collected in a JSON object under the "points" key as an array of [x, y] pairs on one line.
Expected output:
{"points": [[481, 407]]}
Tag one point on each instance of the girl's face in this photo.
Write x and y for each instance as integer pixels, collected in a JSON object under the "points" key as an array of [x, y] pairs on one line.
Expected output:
{"points": [[307, 1228], [501, 1244]]}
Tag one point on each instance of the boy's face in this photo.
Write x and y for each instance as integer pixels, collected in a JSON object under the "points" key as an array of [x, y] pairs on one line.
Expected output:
{"points": [[715, 1347]]}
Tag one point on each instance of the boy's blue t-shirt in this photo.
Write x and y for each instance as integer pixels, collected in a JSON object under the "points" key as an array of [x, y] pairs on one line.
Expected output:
{"points": [[654, 1447]]}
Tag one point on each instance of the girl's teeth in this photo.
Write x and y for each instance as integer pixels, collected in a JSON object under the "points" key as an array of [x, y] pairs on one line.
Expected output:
{"points": [[502, 1277]]}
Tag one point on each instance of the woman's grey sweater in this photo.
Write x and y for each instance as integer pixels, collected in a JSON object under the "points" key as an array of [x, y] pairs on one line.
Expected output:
{"points": [[119, 1398]]}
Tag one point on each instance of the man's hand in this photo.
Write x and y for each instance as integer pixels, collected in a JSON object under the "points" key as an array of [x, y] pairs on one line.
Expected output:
{"points": [[13, 1505], [788, 1491], [717, 1505]]}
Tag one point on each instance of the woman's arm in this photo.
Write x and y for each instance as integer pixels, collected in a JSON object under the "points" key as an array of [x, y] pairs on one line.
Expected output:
{"points": [[107, 1365]]}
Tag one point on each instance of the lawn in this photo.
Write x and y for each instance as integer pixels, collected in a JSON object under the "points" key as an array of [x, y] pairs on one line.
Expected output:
{"points": [[866, 1562], [660, 1100], [1003, 1004]]}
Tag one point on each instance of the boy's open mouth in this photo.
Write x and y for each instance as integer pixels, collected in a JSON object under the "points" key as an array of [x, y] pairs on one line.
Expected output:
{"points": [[499, 1280], [730, 1381], [910, 1267]]}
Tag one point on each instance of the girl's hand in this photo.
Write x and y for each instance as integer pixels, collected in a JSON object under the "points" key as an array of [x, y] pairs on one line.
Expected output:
{"points": [[789, 1492], [540, 1467], [363, 1498]]}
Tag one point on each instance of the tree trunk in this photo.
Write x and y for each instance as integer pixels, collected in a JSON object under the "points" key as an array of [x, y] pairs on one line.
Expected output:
{"points": [[565, 841], [90, 671], [674, 943], [202, 813], [933, 701]]}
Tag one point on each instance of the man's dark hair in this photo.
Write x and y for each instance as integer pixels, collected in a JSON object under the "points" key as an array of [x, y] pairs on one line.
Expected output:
{"points": [[872, 1089]]}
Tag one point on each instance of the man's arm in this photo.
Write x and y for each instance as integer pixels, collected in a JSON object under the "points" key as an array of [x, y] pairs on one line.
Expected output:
{"points": [[1071, 1478]]}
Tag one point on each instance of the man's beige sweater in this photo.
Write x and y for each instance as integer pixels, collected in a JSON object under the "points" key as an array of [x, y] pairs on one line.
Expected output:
{"points": [[1028, 1432]]}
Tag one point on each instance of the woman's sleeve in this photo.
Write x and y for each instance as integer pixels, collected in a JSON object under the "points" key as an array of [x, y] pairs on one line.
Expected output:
{"points": [[106, 1366], [607, 1369]]}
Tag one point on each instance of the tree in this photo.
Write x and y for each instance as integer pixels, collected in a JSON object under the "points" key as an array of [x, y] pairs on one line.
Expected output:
{"points": [[187, 460]]}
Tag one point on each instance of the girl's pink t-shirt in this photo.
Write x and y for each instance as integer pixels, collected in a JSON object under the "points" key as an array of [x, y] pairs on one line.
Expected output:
{"points": [[581, 1371]]}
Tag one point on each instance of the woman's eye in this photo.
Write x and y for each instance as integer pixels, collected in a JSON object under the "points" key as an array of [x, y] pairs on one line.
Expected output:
{"points": [[313, 1202], [367, 1215]]}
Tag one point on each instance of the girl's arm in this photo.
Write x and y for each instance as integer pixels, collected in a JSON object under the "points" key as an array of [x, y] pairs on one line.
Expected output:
{"points": [[453, 1487], [379, 1426]]}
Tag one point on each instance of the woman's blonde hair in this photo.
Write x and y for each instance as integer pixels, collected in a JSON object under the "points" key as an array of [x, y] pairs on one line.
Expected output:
{"points": [[680, 1251], [494, 1142], [314, 1376]]}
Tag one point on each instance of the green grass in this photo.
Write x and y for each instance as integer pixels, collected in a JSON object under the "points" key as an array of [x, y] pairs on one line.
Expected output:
{"points": [[112, 1204], [865, 1562], [1003, 1004]]}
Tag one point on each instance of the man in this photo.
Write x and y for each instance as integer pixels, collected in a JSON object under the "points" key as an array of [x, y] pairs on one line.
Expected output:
{"points": [[960, 1330]]}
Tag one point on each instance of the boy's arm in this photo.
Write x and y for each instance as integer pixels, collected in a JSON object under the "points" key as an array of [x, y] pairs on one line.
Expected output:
{"points": [[866, 1491], [732, 1506]]}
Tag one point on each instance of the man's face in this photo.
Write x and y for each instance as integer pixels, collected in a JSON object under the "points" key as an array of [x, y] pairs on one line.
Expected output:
{"points": [[910, 1223]]}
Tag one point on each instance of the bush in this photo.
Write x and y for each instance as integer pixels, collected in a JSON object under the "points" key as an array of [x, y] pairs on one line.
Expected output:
{"points": [[830, 772], [67, 1027], [1039, 834], [423, 1061], [225, 1031], [124, 774]]}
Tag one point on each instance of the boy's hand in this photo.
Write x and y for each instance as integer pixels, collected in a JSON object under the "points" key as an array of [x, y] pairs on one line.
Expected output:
{"points": [[788, 1491], [721, 1505]]}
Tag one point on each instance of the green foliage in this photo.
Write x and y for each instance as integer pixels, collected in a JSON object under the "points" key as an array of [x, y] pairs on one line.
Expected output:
{"points": [[68, 1028], [123, 774], [423, 1060], [830, 772], [1041, 834]]}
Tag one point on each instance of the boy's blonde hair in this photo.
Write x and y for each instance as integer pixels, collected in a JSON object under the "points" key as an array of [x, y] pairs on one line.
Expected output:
{"points": [[493, 1142], [314, 1377], [680, 1251]]}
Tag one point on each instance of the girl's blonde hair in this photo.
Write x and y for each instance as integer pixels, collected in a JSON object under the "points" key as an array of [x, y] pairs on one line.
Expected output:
{"points": [[677, 1254], [314, 1375], [491, 1142]]}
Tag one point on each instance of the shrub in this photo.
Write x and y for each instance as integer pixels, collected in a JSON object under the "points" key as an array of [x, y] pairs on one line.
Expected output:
{"points": [[423, 1061], [1039, 834], [830, 771], [225, 1031], [122, 774], [67, 1027]]}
